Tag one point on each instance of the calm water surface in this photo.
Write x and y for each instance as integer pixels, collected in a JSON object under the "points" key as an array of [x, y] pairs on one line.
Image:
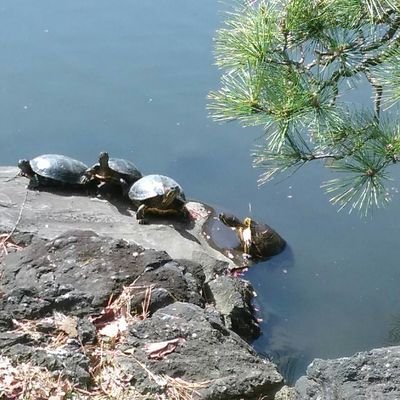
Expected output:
{"points": [[132, 78]]}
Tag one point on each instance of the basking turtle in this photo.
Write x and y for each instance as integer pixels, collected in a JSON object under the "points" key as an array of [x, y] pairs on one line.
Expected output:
{"points": [[159, 195], [258, 240], [53, 170], [114, 170]]}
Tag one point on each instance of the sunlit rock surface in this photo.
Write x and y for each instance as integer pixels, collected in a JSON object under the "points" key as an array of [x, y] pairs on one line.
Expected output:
{"points": [[48, 214], [76, 256], [366, 375]]}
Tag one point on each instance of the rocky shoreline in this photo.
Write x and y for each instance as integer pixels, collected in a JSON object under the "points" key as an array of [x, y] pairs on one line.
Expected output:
{"points": [[96, 305], [87, 276]]}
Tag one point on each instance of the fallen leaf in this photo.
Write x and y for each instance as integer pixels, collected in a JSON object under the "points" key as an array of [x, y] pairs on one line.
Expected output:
{"points": [[106, 316], [159, 350], [114, 328]]}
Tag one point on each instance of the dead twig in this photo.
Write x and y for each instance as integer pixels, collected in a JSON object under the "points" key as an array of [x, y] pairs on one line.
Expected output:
{"points": [[6, 239], [179, 389], [27, 381], [146, 303], [174, 388]]}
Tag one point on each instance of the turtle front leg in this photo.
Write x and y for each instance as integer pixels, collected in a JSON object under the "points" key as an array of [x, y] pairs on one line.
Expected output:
{"points": [[185, 214], [140, 214], [34, 182], [246, 239], [125, 187]]}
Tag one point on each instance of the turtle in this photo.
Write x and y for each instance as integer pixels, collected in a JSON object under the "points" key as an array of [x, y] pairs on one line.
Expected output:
{"points": [[53, 170], [114, 170], [159, 195], [258, 240]]}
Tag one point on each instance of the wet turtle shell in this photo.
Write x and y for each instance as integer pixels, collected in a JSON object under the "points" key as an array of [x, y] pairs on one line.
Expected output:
{"points": [[158, 194], [265, 242], [126, 169], [114, 170], [257, 239], [53, 169]]}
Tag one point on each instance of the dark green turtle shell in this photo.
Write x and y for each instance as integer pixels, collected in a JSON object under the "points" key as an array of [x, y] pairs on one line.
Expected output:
{"points": [[125, 168], [265, 241], [152, 186], [59, 168]]}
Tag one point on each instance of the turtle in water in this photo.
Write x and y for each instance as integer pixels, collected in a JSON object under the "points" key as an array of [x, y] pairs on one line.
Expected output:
{"points": [[158, 195], [114, 170], [53, 170], [258, 240]]}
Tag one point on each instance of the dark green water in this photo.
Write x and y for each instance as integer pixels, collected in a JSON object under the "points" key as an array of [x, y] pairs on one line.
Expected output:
{"points": [[131, 77]]}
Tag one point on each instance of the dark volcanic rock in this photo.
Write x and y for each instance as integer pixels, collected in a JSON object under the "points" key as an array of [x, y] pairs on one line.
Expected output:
{"points": [[10, 339], [79, 271], [172, 282], [371, 375], [230, 366], [51, 290], [5, 321], [68, 360], [232, 298]]}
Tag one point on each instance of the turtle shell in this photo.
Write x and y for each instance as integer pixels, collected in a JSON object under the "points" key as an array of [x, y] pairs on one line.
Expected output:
{"points": [[266, 242], [151, 186], [59, 168], [126, 168]]}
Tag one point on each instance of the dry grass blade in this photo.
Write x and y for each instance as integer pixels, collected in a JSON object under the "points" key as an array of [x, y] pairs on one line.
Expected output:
{"points": [[27, 326], [146, 303], [114, 319], [6, 241], [174, 388], [122, 304], [179, 389], [111, 380], [26, 381], [64, 326]]}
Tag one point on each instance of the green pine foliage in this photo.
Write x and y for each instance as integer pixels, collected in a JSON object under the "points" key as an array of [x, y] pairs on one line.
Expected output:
{"points": [[288, 66]]}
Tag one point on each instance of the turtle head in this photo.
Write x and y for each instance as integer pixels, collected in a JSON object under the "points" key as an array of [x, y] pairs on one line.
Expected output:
{"points": [[170, 195], [25, 167], [229, 220], [247, 222], [103, 159]]}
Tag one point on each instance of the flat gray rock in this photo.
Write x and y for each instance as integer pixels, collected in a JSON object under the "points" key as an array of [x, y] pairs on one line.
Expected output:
{"points": [[48, 214]]}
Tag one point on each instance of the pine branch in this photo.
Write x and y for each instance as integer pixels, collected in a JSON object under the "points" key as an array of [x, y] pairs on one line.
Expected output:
{"points": [[285, 63]]}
